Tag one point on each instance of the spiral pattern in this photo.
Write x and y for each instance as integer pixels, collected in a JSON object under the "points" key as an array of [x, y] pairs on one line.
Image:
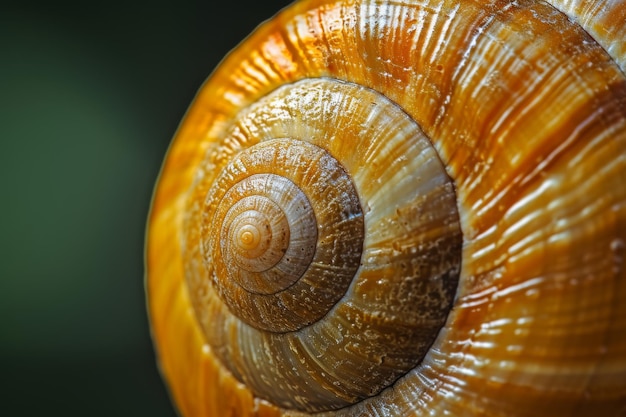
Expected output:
{"points": [[398, 209], [261, 250], [293, 274], [264, 251], [296, 227]]}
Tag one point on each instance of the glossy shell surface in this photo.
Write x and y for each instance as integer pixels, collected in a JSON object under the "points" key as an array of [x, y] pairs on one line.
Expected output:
{"points": [[478, 150]]}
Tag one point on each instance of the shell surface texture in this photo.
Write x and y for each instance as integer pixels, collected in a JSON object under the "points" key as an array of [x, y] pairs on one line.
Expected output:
{"points": [[400, 208]]}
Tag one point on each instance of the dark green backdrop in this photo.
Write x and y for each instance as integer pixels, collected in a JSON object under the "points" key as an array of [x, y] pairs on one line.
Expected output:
{"points": [[90, 96]]}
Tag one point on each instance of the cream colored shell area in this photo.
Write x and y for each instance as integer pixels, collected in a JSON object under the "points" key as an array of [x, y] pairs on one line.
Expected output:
{"points": [[527, 113]]}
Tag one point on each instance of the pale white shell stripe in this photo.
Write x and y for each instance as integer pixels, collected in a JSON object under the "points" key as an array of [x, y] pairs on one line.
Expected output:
{"points": [[592, 14]]}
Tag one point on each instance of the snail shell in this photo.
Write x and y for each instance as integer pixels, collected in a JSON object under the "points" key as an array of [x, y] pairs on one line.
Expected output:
{"points": [[396, 208]]}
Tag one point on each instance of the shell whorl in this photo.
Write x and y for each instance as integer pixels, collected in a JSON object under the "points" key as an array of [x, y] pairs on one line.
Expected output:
{"points": [[353, 251], [267, 286], [400, 208]]}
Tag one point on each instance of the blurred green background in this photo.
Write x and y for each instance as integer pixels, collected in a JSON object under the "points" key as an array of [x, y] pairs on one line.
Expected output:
{"points": [[90, 96]]}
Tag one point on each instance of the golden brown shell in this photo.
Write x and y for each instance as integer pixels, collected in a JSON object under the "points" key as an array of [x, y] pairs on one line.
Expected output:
{"points": [[396, 208]]}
